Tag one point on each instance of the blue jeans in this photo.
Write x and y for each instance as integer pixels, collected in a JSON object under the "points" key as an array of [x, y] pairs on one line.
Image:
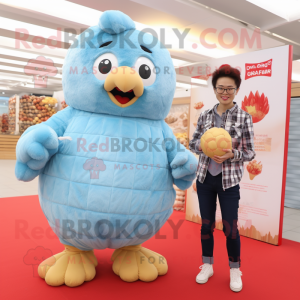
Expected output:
{"points": [[229, 204]]}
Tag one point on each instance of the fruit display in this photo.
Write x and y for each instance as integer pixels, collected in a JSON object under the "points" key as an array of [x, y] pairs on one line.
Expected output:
{"points": [[177, 119], [49, 101], [63, 104], [11, 115], [180, 199], [197, 106], [214, 140], [256, 105], [0, 123], [35, 110], [4, 124], [183, 138], [254, 169]]}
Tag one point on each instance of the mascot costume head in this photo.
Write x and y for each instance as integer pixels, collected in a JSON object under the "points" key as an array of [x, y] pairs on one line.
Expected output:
{"points": [[107, 163]]}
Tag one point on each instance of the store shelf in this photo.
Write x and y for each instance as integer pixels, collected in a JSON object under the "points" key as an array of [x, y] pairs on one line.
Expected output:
{"points": [[8, 145]]}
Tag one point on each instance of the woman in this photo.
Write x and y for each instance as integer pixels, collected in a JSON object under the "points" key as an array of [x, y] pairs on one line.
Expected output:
{"points": [[221, 174]]}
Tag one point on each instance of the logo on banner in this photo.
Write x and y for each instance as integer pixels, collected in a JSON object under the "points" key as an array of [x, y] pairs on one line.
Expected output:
{"points": [[259, 69]]}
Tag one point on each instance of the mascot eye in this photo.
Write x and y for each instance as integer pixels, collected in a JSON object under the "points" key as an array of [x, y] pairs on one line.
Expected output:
{"points": [[104, 64], [146, 70]]}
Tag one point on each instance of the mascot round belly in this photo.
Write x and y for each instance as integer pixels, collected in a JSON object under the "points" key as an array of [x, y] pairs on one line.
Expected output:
{"points": [[107, 163]]}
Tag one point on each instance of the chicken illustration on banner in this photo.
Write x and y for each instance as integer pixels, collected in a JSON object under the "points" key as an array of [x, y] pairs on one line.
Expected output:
{"points": [[257, 106]]}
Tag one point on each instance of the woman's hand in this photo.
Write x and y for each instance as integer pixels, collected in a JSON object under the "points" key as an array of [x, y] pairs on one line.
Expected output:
{"points": [[220, 159]]}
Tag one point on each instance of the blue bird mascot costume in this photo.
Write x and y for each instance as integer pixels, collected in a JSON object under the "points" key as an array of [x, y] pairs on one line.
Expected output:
{"points": [[107, 163]]}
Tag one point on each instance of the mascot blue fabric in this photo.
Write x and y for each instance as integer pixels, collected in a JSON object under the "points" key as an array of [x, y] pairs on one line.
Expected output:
{"points": [[109, 183]]}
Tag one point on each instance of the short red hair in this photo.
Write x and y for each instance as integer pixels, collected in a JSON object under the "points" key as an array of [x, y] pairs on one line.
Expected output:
{"points": [[227, 71]]}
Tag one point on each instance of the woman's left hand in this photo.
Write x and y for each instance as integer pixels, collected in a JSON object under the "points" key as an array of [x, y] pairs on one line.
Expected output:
{"points": [[220, 159]]}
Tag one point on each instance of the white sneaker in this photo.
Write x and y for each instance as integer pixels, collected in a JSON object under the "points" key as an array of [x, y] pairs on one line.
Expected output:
{"points": [[236, 284], [206, 272]]}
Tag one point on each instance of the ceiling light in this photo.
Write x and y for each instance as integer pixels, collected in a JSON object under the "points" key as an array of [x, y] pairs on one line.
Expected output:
{"points": [[295, 77], [178, 62], [28, 55], [20, 78], [90, 17], [87, 16], [21, 69], [60, 9], [191, 43], [285, 39], [183, 85], [35, 30], [19, 63], [5, 76], [202, 50], [3, 93], [12, 61], [198, 81], [287, 9]]}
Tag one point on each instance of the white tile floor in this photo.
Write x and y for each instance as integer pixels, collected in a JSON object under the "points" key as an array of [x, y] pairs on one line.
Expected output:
{"points": [[10, 186]]}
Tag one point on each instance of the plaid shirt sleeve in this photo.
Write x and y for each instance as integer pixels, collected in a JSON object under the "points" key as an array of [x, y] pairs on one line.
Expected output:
{"points": [[195, 141], [246, 149]]}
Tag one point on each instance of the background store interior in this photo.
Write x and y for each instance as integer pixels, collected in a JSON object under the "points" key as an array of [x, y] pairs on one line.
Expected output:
{"points": [[53, 19]]}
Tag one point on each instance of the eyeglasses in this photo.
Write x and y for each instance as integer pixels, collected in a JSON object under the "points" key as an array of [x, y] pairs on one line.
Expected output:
{"points": [[230, 91]]}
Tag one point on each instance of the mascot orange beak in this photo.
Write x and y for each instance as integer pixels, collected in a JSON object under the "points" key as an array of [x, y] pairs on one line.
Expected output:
{"points": [[124, 86]]}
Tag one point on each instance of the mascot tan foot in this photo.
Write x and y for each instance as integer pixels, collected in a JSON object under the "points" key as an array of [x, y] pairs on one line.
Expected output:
{"points": [[136, 262], [71, 267]]}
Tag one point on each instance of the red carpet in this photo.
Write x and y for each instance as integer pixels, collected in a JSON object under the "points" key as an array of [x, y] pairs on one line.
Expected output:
{"points": [[269, 272]]}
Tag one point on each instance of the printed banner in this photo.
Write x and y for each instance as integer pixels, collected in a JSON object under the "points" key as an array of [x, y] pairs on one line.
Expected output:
{"points": [[258, 69], [265, 98]]}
